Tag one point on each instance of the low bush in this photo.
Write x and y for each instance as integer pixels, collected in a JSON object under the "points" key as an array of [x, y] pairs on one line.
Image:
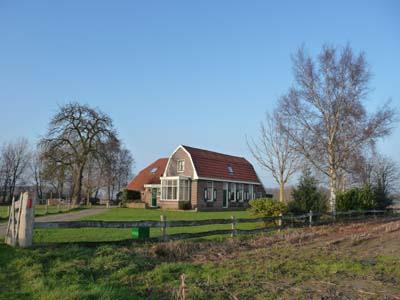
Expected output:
{"points": [[307, 196], [356, 199], [267, 207], [185, 205], [130, 196]]}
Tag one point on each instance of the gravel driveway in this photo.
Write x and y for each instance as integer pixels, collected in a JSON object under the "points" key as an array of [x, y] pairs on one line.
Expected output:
{"points": [[70, 216]]}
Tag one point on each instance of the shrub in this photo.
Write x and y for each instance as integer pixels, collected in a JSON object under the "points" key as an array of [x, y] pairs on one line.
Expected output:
{"points": [[130, 196], [267, 207], [356, 199], [307, 196], [185, 205]]}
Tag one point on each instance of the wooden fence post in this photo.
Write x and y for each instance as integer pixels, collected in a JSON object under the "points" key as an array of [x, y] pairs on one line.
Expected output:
{"points": [[25, 231], [10, 232], [234, 222], [163, 227], [310, 215], [8, 211]]}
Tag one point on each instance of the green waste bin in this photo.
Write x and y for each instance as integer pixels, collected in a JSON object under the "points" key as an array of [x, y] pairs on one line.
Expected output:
{"points": [[140, 233]]}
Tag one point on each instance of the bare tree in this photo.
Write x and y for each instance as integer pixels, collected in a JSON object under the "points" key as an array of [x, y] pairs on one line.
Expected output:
{"points": [[384, 180], [324, 114], [14, 161], [36, 166], [76, 132], [273, 152], [117, 163]]}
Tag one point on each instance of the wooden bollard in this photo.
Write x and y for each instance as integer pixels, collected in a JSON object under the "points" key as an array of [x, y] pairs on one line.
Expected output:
{"points": [[25, 230], [234, 222], [280, 222], [163, 227]]}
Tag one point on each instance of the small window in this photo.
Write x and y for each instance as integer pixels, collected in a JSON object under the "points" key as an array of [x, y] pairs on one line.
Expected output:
{"points": [[239, 192], [154, 170], [209, 192], [205, 194], [230, 170], [181, 165]]}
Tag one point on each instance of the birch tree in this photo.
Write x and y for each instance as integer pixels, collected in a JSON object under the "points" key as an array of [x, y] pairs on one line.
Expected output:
{"points": [[273, 152], [324, 114]]}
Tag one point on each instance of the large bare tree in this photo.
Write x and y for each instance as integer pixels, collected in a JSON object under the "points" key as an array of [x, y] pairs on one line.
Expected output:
{"points": [[273, 152], [76, 132], [324, 113]]}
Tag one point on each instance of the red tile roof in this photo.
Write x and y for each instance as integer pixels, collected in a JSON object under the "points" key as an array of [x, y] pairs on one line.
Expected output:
{"points": [[146, 176], [216, 165]]}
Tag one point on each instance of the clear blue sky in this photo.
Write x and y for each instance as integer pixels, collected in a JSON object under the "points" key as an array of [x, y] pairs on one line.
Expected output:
{"points": [[201, 73]]}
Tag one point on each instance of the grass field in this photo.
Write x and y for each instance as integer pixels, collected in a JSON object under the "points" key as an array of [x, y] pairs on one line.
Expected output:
{"points": [[351, 261], [127, 214], [40, 210]]}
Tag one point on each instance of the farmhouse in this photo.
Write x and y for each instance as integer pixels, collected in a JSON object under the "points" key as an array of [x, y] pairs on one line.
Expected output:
{"points": [[198, 179]]}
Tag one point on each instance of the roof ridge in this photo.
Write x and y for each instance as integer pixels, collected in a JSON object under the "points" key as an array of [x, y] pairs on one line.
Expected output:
{"points": [[214, 152]]}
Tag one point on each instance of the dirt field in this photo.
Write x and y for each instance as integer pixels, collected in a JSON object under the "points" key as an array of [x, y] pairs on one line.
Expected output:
{"points": [[368, 257]]}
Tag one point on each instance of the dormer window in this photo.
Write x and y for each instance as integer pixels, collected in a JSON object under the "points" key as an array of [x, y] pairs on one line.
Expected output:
{"points": [[154, 170], [181, 166], [230, 170]]}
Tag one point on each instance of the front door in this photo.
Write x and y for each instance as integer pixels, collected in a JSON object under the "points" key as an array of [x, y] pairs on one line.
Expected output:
{"points": [[154, 197], [225, 199]]}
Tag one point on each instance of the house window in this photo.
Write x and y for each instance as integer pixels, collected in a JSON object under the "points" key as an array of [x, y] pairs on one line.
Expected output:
{"points": [[154, 170], [181, 165], [169, 189], [232, 192], [251, 192], [208, 192], [230, 170], [184, 190], [239, 192], [246, 192]]}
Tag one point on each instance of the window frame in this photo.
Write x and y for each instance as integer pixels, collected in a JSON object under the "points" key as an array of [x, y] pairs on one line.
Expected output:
{"points": [[239, 191], [232, 192], [180, 162], [208, 192]]}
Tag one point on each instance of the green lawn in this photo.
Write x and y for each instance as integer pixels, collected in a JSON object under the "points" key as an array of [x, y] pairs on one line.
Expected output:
{"points": [[130, 214], [3, 212], [134, 214], [40, 210]]}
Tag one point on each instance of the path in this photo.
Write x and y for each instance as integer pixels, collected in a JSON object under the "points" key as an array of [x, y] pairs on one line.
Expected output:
{"points": [[69, 216]]}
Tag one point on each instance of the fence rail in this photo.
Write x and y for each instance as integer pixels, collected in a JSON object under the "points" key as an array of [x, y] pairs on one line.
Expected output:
{"points": [[276, 223]]}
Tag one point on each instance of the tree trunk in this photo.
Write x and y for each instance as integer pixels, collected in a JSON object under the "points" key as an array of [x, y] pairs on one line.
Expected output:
{"points": [[282, 192], [78, 196], [333, 189]]}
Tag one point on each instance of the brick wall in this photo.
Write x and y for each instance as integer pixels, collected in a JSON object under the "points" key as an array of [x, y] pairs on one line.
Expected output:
{"points": [[180, 154]]}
